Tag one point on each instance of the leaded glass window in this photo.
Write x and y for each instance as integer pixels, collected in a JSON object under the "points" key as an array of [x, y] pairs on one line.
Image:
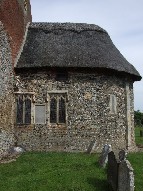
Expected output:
{"points": [[57, 108], [53, 110], [19, 117], [27, 109], [23, 109], [62, 111]]}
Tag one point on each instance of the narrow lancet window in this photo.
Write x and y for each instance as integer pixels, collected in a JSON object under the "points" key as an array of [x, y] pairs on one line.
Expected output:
{"points": [[23, 109], [53, 110], [58, 108], [27, 110], [19, 117], [62, 112]]}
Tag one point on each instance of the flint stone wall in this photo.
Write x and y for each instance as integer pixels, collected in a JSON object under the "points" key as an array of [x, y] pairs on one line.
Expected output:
{"points": [[6, 94], [88, 112]]}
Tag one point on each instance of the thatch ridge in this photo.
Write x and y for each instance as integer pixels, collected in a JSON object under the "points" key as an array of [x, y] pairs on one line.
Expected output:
{"points": [[76, 27]]}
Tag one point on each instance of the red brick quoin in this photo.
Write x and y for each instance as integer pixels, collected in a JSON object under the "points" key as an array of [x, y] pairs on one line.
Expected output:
{"points": [[14, 18]]}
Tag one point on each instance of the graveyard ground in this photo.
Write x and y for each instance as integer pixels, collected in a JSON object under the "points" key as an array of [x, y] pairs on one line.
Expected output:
{"points": [[53, 172], [42, 171], [136, 160]]}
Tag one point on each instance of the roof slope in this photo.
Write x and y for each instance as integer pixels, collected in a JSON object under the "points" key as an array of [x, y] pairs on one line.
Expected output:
{"points": [[72, 45]]}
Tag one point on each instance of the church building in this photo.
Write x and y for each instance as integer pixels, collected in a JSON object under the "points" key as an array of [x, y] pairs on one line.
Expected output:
{"points": [[63, 86]]}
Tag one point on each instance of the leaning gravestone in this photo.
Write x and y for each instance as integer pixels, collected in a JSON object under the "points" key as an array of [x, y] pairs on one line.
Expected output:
{"points": [[91, 147], [104, 155], [125, 176]]}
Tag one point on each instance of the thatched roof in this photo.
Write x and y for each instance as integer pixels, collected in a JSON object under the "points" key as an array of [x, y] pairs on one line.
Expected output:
{"points": [[72, 45]]}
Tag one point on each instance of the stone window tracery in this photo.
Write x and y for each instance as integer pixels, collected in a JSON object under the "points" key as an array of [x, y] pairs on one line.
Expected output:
{"points": [[23, 108], [57, 108]]}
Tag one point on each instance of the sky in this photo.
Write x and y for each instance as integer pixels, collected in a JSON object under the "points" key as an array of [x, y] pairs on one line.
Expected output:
{"points": [[123, 20]]}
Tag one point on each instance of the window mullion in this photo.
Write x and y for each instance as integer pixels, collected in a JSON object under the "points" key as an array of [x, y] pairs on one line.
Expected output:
{"points": [[23, 109], [57, 109]]}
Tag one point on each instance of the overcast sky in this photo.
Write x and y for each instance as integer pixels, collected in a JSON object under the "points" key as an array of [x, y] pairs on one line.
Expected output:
{"points": [[123, 20]]}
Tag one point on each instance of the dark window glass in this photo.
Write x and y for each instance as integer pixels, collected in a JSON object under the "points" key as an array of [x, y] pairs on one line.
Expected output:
{"points": [[27, 110], [23, 105], [53, 110], [58, 108], [62, 112], [62, 76], [19, 118]]}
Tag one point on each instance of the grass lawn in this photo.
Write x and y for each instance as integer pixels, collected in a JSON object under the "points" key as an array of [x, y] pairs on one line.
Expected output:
{"points": [[139, 140], [53, 172], [136, 160], [41, 171]]}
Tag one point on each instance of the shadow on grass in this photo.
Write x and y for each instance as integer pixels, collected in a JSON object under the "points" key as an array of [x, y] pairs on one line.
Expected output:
{"points": [[98, 184], [97, 164]]}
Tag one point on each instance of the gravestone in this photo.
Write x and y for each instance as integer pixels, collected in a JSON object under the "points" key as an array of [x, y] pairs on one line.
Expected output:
{"points": [[112, 172], [125, 176], [104, 155], [91, 147], [122, 155]]}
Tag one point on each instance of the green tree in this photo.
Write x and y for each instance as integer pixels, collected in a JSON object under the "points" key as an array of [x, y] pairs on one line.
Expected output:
{"points": [[138, 117]]}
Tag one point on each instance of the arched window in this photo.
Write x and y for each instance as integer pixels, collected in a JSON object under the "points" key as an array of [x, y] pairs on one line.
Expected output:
{"points": [[23, 108], [19, 111], [57, 108], [53, 110], [62, 110], [27, 109]]}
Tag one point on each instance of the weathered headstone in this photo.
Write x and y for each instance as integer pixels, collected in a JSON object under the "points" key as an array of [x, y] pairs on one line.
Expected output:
{"points": [[125, 176], [112, 172], [91, 147], [122, 155], [104, 155]]}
